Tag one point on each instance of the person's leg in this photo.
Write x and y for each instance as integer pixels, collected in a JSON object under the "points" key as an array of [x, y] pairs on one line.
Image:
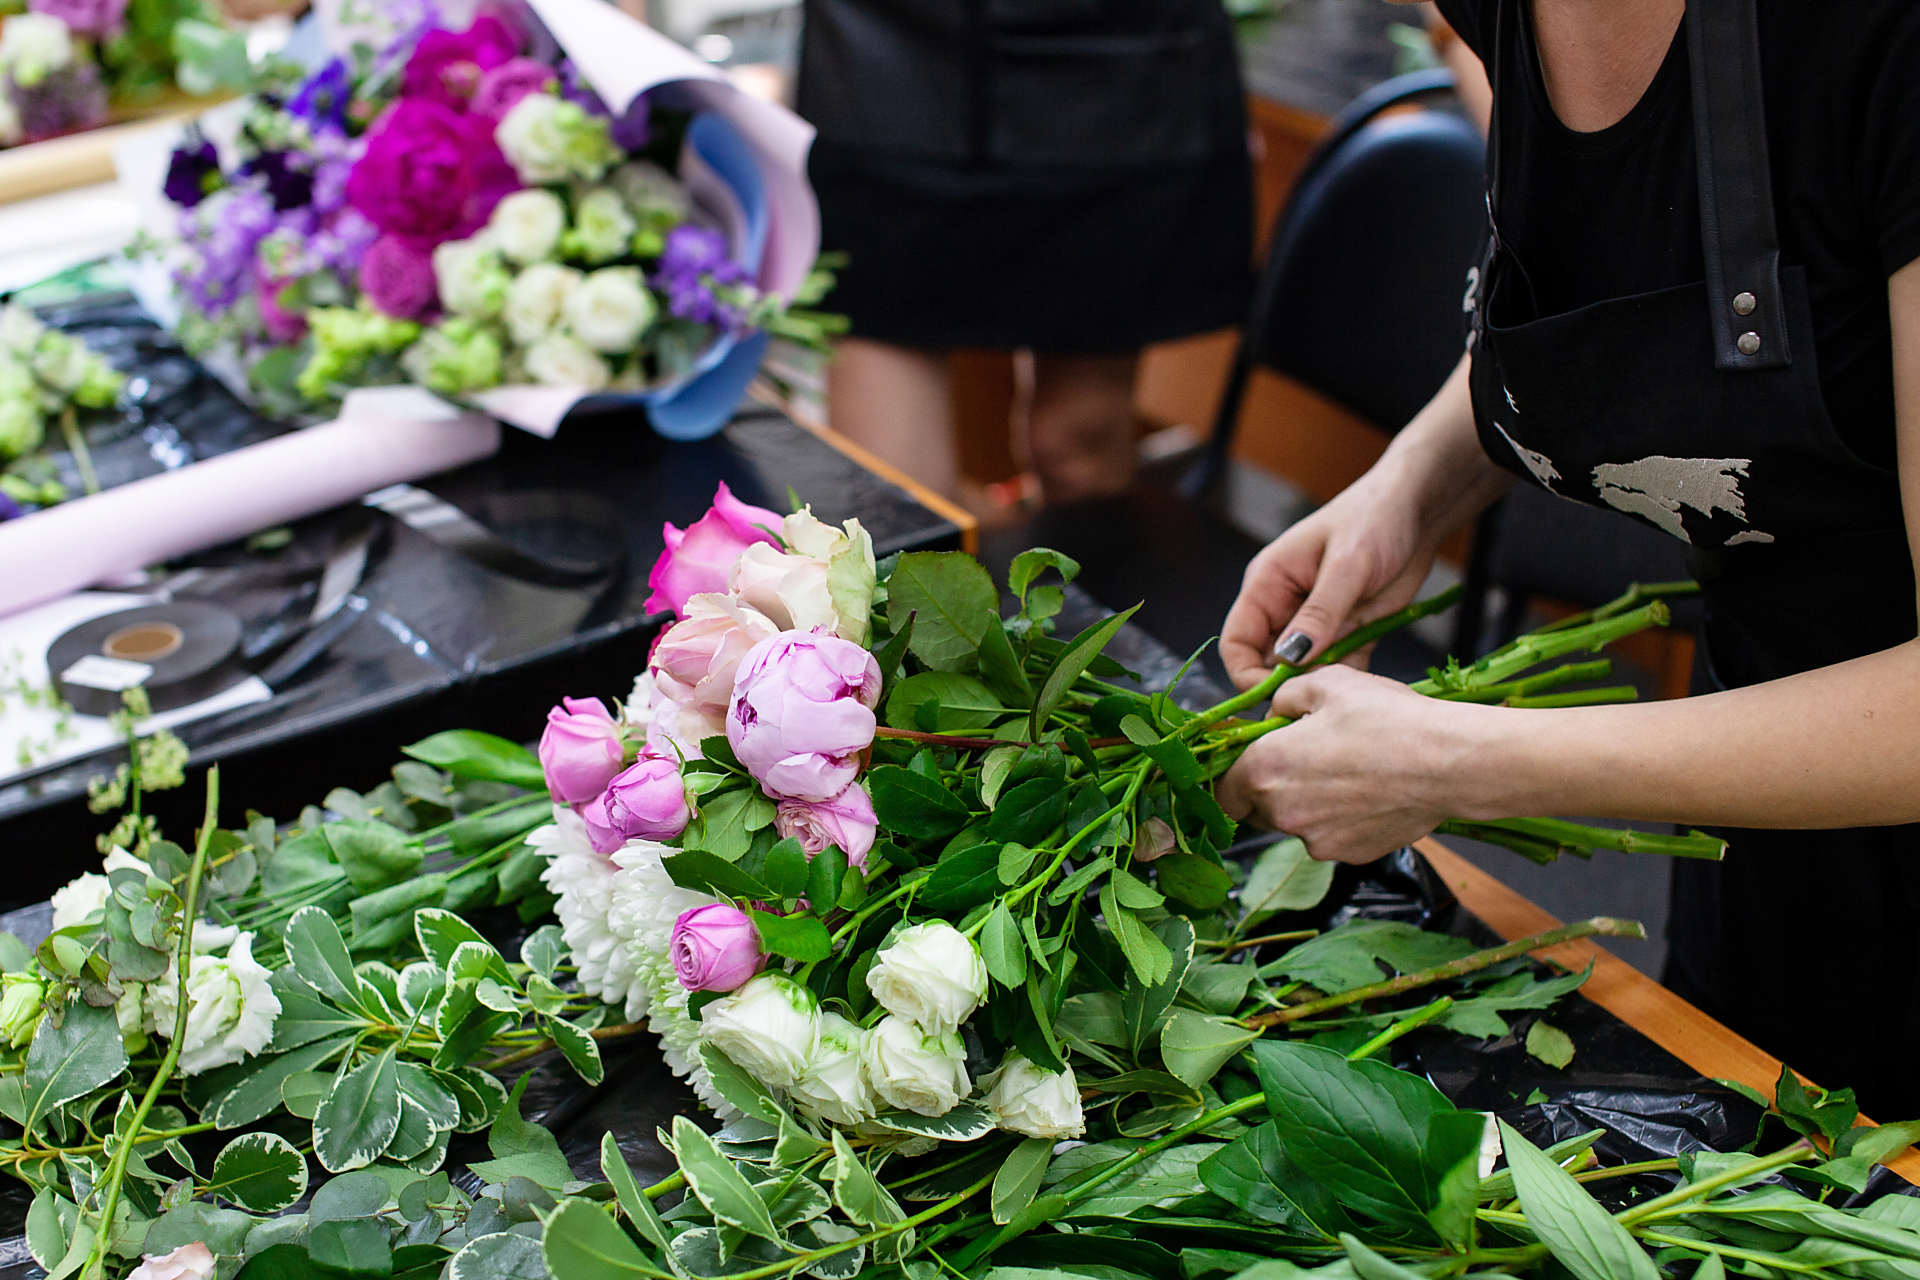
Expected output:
{"points": [[896, 402], [1080, 427]]}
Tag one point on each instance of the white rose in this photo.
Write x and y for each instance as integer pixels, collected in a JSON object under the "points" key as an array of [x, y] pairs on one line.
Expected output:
{"points": [[130, 1011], [33, 46], [189, 1262], [559, 361], [914, 1070], [231, 1008], [834, 1085], [651, 189], [536, 299], [20, 330], [930, 974], [1490, 1150], [610, 309], [825, 578], [1037, 1103], [473, 280], [526, 226], [603, 228], [768, 1027], [80, 900]]}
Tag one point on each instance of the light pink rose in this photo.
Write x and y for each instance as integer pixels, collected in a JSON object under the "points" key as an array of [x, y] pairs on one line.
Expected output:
{"points": [[715, 948], [700, 557], [846, 820], [189, 1262], [1155, 841], [802, 713], [647, 801], [695, 661], [581, 751], [677, 729]]}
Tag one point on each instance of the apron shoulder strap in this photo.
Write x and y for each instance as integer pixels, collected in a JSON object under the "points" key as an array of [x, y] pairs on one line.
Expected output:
{"points": [[1741, 243]]}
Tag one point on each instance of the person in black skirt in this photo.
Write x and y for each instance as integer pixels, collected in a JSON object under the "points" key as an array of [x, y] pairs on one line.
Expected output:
{"points": [[1068, 177]]}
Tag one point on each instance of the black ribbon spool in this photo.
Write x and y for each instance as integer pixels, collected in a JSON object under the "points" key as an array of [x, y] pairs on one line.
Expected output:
{"points": [[191, 649]]}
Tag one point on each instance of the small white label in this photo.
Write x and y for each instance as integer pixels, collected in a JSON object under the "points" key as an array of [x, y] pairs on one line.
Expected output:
{"points": [[111, 675]]}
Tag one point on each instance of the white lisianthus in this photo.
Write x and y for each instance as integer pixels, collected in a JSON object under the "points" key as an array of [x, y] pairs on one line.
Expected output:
{"points": [[33, 46], [560, 361], [526, 226], [1036, 1102], [473, 279], [769, 1028], [834, 1086], [549, 139], [603, 227], [610, 309], [231, 1008], [930, 974], [915, 1070], [1490, 1149], [20, 330], [535, 300], [652, 190], [825, 577]]}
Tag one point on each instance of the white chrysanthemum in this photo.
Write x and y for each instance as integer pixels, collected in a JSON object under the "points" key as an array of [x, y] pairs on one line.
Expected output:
{"points": [[231, 1007], [638, 711], [583, 881], [646, 902], [680, 1043]]}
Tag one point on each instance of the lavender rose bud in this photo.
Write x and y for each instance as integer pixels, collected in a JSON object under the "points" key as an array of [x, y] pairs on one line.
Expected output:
{"points": [[802, 713], [715, 948], [580, 751], [647, 801], [846, 820]]}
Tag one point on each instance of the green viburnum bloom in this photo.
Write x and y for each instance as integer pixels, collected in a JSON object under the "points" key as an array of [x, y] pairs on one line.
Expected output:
{"points": [[22, 997], [21, 430], [603, 227]]}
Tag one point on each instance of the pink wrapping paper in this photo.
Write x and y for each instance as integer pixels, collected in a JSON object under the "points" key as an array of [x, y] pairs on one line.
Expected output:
{"points": [[77, 544]]}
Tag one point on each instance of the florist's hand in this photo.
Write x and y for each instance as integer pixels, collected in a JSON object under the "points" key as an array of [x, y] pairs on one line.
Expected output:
{"points": [[1363, 772]]}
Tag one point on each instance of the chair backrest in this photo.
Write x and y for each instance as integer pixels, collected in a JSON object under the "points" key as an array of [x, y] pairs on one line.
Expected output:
{"points": [[1361, 294]]}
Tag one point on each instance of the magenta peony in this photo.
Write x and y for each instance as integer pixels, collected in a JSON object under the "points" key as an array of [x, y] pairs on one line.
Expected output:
{"points": [[502, 88], [699, 558], [715, 948], [581, 751], [398, 278], [646, 801], [846, 820], [282, 323], [447, 67], [802, 713], [430, 173], [93, 19]]}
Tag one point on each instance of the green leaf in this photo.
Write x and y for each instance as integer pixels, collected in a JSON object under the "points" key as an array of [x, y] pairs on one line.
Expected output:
{"points": [[1196, 1045], [360, 1117], [299, 862], [954, 703], [1030, 564], [75, 1058], [738, 1087], [581, 1242], [1015, 861], [1146, 954], [1001, 666], [703, 873], [373, 854], [1351, 955], [950, 597], [577, 1046], [626, 1189], [718, 1185], [785, 869], [50, 1224], [1284, 878], [913, 805], [1453, 1174], [1028, 812], [894, 652], [961, 881], [1019, 1178], [254, 1089], [318, 954], [1143, 1005], [543, 950], [503, 1255], [468, 754], [964, 1122], [857, 1192], [1549, 1044], [1200, 883], [1583, 1237], [1072, 665], [1131, 891], [1002, 947], [262, 1172], [1368, 1265], [522, 1149], [1253, 1173], [802, 938]]}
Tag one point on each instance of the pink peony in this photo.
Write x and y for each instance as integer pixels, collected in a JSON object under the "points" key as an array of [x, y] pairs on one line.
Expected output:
{"points": [[282, 324], [581, 751], [646, 801], [502, 88], [699, 558], [803, 712], [189, 1262], [846, 820], [430, 173], [695, 660], [715, 948], [92, 19], [447, 67], [398, 278]]}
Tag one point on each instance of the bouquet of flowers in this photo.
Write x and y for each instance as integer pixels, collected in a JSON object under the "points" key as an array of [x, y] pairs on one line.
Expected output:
{"points": [[459, 209], [46, 377]]}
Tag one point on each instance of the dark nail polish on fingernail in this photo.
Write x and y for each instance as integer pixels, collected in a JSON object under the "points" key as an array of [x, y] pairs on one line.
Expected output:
{"points": [[1294, 649]]}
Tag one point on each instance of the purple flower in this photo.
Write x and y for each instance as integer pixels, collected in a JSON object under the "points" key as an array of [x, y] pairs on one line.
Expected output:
{"points": [[398, 278], [715, 948], [287, 174], [581, 751], [322, 100], [430, 172], [283, 324], [94, 19], [693, 261], [647, 801], [194, 174], [69, 100], [803, 712], [633, 128], [9, 509], [846, 820], [447, 66], [225, 233], [502, 88]]}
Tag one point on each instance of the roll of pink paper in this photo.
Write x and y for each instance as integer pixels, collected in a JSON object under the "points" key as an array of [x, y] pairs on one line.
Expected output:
{"points": [[77, 544]]}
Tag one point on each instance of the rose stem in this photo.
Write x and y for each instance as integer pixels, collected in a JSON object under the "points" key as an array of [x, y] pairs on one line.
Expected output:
{"points": [[77, 445]]}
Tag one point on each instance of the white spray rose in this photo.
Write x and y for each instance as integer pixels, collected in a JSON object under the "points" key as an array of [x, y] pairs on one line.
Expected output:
{"points": [[526, 226], [825, 577], [189, 1262], [231, 1008], [560, 361], [1490, 1149], [915, 1070], [610, 309], [535, 300], [473, 279], [33, 46], [80, 899], [834, 1085], [768, 1027], [930, 974], [603, 228], [1035, 1102]]}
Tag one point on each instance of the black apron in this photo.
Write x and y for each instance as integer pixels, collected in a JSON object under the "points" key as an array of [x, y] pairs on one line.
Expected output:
{"points": [[1698, 410]]}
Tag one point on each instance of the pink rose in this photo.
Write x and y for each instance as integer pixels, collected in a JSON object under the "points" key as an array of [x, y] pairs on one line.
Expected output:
{"points": [[694, 661], [447, 67], [502, 88], [189, 1262], [846, 820], [92, 19], [699, 558], [430, 172], [581, 751], [647, 801], [398, 278], [715, 948], [282, 324], [802, 713]]}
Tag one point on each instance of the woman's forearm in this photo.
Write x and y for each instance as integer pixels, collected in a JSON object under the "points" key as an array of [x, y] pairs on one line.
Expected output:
{"points": [[1835, 747], [1437, 461]]}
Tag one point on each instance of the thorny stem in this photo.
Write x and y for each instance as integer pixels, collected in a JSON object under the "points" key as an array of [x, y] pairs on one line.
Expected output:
{"points": [[1228, 947]]}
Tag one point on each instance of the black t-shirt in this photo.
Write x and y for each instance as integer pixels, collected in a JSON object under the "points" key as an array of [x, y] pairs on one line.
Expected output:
{"points": [[1593, 216]]}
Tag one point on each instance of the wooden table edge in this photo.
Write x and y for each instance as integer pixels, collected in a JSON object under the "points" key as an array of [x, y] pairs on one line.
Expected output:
{"points": [[1710, 1048]]}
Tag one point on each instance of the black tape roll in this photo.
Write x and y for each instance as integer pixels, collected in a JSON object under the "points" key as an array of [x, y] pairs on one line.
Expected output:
{"points": [[189, 650]]}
